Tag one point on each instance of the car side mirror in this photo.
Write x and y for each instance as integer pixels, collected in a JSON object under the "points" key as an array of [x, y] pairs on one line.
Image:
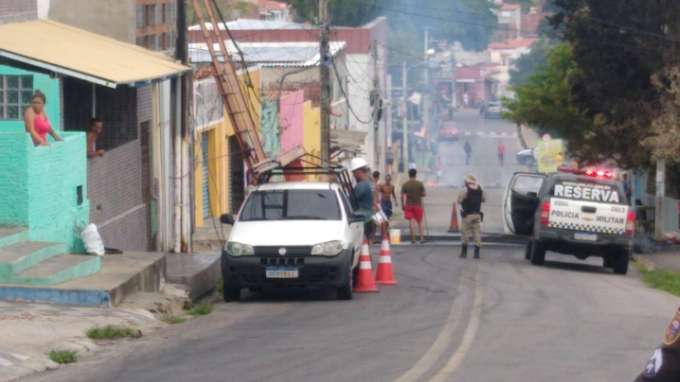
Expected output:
{"points": [[227, 219]]}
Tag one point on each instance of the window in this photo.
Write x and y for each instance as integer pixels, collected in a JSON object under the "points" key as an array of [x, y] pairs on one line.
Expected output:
{"points": [[164, 13], [164, 41], [139, 13], [291, 205], [15, 96], [149, 15]]}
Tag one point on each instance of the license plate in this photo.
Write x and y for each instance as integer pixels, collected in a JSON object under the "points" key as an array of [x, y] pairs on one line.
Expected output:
{"points": [[282, 273], [585, 236]]}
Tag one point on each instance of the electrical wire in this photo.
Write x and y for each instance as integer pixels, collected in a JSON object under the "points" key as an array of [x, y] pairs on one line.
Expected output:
{"points": [[349, 105]]}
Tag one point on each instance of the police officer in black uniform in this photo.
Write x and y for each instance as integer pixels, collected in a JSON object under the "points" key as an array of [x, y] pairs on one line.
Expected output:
{"points": [[664, 366]]}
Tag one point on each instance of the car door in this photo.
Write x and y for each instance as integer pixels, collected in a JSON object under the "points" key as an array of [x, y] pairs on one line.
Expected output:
{"points": [[520, 202], [356, 229]]}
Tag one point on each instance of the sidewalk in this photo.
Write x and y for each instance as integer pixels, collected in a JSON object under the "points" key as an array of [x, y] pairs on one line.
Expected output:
{"points": [[666, 261], [30, 331]]}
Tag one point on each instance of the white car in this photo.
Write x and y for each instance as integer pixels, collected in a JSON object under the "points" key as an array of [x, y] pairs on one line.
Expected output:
{"points": [[293, 234]]}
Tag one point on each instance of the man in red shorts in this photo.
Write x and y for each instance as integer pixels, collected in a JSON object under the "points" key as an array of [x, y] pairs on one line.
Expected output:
{"points": [[412, 193]]}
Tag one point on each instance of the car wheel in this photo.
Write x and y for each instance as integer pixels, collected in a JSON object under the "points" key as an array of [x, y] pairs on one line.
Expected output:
{"points": [[620, 263], [232, 294], [537, 253], [527, 250], [345, 291]]}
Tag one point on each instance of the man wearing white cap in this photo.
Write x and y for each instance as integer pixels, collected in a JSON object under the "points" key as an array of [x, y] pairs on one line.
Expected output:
{"points": [[470, 200]]}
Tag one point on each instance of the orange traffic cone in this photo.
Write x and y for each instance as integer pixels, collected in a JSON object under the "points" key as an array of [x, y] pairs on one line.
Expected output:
{"points": [[385, 273], [453, 227], [365, 282]]}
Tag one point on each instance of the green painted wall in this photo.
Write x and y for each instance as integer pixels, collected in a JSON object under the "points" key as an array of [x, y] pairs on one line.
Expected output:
{"points": [[39, 187], [47, 85]]}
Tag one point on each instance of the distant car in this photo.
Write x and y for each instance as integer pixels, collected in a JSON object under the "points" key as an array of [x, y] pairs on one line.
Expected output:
{"points": [[526, 157], [493, 109], [298, 234], [449, 132]]}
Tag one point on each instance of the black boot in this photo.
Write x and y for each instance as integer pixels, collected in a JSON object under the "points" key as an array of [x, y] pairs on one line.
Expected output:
{"points": [[476, 252], [463, 251]]}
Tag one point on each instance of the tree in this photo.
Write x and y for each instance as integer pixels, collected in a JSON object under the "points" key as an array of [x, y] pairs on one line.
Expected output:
{"points": [[618, 48], [528, 64], [544, 101]]}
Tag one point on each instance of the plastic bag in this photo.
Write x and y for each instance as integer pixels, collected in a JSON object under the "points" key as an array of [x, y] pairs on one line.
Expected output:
{"points": [[92, 240]]}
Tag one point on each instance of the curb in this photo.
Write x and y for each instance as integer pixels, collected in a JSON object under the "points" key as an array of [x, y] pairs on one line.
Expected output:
{"points": [[648, 264], [490, 238]]}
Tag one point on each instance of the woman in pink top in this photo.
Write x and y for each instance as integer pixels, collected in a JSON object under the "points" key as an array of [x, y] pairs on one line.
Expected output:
{"points": [[36, 121]]}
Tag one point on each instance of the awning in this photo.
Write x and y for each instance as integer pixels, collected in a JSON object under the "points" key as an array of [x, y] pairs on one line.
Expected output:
{"points": [[78, 53]]}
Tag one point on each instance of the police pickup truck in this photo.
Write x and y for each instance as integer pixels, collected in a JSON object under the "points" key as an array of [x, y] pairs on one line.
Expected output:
{"points": [[581, 213]]}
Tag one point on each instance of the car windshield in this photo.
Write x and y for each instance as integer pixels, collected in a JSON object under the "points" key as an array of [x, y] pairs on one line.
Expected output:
{"points": [[291, 205]]}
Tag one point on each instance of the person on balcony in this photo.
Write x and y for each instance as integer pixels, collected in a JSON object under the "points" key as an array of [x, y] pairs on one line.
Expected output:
{"points": [[93, 131], [36, 121]]}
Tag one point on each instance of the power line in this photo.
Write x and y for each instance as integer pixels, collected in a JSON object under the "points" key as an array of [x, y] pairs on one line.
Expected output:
{"points": [[342, 89]]}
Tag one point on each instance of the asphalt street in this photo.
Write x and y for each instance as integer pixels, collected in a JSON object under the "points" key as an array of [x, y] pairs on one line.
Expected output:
{"points": [[449, 319], [484, 136]]}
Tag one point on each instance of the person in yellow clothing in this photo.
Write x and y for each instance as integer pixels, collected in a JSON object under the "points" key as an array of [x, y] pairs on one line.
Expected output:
{"points": [[470, 200]]}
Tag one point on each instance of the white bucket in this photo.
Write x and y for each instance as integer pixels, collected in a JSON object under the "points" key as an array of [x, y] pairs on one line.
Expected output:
{"points": [[395, 236]]}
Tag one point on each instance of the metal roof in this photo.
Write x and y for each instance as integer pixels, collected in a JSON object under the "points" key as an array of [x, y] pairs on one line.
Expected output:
{"points": [[256, 24], [81, 54], [270, 54]]}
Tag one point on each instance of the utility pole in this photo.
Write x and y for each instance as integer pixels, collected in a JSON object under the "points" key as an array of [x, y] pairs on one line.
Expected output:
{"points": [[660, 195], [325, 76], [377, 105], [404, 119], [426, 68], [182, 148]]}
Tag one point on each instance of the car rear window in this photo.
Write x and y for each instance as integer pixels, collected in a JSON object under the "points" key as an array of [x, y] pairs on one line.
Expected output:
{"points": [[588, 191], [291, 205]]}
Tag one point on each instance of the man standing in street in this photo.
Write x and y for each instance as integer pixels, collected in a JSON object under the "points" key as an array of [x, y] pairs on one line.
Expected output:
{"points": [[470, 200], [387, 194], [468, 152], [501, 153], [363, 194], [412, 193]]}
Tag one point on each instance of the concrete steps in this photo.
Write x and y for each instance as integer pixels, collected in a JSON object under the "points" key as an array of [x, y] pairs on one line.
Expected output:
{"points": [[26, 262], [12, 234], [59, 269], [16, 258]]}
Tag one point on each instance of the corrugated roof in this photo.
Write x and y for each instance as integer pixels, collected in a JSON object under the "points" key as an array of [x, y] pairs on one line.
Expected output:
{"points": [[255, 24], [290, 54], [78, 53]]}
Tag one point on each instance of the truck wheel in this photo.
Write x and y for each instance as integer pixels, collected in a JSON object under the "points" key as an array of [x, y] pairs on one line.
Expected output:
{"points": [[232, 294], [620, 263], [345, 291], [537, 253], [527, 250]]}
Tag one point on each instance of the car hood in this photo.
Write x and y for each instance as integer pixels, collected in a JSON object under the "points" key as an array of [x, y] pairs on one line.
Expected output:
{"points": [[281, 232]]}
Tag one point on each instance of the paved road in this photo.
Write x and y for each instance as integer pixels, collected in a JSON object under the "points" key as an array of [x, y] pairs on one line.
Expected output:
{"points": [[498, 319], [484, 136]]}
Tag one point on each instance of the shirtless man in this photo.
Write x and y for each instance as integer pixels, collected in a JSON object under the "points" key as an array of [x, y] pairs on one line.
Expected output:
{"points": [[387, 194]]}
